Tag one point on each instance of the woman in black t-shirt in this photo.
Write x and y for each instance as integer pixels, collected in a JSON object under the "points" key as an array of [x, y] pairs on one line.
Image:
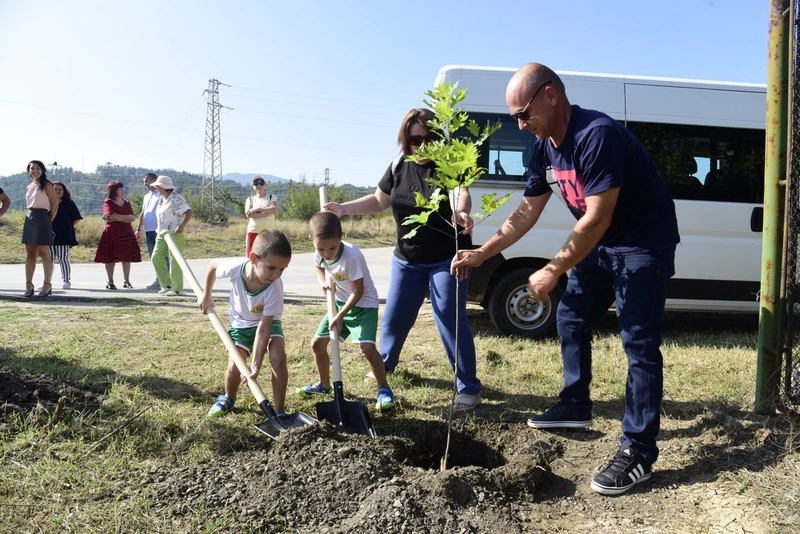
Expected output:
{"points": [[422, 263]]}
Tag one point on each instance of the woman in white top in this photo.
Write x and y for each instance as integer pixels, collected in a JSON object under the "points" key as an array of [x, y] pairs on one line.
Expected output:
{"points": [[37, 232], [260, 210], [173, 214]]}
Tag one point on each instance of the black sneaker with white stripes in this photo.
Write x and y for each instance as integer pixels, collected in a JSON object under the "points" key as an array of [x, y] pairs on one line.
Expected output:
{"points": [[625, 470], [562, 415]]}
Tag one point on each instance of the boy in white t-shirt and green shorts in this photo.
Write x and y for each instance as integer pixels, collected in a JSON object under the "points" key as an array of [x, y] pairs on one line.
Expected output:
{"points": [[256, 309], [356, 306]]}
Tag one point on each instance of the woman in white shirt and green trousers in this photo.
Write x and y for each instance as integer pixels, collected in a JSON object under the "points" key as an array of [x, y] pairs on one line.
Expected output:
{"points": [[260, 210], [173, 214]]}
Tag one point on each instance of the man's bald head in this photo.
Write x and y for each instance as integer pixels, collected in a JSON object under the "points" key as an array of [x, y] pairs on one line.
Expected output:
{"points": [[536, 98], [531, 75]]}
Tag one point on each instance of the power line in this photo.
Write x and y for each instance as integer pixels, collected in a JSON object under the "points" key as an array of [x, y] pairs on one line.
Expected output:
{"points": [[315, 97], [316, 118], [193, 130], [306, 105], [99, 116]]}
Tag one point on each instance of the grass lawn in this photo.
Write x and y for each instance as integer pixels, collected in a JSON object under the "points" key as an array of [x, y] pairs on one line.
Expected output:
{"points": [[61, 473]]}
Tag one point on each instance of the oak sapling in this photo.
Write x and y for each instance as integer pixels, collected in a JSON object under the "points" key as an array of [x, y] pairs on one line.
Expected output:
{"points": [[456, 162]]}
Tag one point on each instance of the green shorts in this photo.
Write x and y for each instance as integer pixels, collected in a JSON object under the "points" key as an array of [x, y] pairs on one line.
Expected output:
{"points": [[245, 337], [362, 323]]}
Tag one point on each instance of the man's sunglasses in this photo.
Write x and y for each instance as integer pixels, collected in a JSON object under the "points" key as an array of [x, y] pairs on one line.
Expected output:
{"points": [[417, 140], [522, 115], [259, 183]]}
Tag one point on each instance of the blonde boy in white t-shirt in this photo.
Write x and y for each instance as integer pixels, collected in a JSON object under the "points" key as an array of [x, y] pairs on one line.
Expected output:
{"points": [[256, 309], [356, 305]]}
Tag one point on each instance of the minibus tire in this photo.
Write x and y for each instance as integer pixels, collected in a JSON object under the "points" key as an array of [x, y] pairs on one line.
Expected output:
{"points": [[514, 313]]}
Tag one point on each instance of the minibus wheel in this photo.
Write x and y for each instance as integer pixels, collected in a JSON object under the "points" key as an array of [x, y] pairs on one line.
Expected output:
{"points": [[514, 312]]}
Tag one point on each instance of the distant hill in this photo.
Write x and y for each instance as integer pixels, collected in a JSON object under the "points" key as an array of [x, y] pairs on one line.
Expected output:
{"points": [[247, 179], [89, 189]]}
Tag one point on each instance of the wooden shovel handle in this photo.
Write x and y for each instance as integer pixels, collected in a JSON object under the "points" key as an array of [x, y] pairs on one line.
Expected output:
{"points": [[336, 364], [222, 332]]}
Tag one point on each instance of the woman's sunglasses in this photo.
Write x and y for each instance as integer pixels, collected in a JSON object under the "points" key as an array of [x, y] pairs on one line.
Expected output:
{"points": [[417, 140]]}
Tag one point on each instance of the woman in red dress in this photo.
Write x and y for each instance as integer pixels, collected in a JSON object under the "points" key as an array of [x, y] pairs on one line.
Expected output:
{"points": [[118, 242]]}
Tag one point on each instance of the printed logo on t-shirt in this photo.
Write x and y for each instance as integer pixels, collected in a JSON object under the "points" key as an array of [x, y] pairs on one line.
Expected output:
{"points": [[339, 276], [258, 308], [569, 187]]}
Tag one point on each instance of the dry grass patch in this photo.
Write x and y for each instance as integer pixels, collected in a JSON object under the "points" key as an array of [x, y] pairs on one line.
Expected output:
{"points": [[202, 240]]}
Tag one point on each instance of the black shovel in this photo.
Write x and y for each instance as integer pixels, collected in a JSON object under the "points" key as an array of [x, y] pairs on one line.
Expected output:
{"points": [[349, 416], [274, 425]]}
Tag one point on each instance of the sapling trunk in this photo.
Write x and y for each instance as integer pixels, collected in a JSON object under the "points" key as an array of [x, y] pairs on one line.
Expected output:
{"points": [[443, 465], [456, 161]]}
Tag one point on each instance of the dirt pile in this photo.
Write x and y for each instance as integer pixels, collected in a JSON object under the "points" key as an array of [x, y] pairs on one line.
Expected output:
{"points": [[317, 478], [41, 395]]}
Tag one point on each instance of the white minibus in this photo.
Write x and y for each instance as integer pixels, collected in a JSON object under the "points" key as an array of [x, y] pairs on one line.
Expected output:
{"points": [[707, 140]]}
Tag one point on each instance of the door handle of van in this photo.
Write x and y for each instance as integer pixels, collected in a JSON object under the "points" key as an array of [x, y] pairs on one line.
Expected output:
{"points": [[757, 220]]}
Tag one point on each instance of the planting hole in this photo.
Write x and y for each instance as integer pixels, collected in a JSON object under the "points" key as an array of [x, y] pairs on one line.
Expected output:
{"points": [[430, 440]]}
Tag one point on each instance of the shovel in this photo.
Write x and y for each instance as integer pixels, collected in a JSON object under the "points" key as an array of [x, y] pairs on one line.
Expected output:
{"points": [[274, 425], [349, 416]]}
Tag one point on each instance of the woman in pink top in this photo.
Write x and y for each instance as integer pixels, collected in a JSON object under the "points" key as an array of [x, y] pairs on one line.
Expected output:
{"points": [[37, 232]]}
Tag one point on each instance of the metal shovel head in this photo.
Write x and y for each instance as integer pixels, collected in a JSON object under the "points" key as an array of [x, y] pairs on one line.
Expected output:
{"points": [[274, 425], [349, 416], [270, 428]]}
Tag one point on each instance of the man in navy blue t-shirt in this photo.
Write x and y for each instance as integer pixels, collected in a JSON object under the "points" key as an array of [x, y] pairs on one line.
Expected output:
{"points": [[621, 250]]}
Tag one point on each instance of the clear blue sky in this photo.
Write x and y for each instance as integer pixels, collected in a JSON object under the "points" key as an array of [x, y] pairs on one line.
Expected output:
{"points": [[315, 84]]}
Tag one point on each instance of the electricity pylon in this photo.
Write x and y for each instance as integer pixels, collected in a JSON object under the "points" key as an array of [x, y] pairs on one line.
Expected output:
{"points": [[212, 158]]}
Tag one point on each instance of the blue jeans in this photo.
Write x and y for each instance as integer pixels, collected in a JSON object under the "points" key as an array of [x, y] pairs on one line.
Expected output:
{"points": [[407, 287], [150, 238], [637, 283]]}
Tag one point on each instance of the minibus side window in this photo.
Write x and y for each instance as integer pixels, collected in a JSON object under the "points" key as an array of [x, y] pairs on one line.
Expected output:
{"points": [[706, 162], [506, 154]]}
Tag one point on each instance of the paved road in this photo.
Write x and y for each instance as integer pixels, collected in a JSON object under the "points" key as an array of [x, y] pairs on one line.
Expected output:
{"points": [[89, 279]]}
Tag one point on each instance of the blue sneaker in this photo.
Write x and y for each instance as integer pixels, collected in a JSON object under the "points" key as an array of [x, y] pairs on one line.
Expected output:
{"points": [[561, 415], [221, 407], [310, 390], [385, 401]]}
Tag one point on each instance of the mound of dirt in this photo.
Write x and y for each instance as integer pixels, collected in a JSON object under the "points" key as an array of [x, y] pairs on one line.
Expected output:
{"points": [[317, 478], [41, 394]]}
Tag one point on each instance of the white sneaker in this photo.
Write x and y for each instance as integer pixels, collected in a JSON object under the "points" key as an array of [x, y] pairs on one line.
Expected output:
{"points": [[154, 285], [66, 285], [172, 293], [165, 290]]}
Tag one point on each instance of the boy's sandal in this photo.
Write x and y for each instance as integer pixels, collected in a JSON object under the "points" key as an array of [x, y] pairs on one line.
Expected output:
{"points": [[465, 402], [223, 405], [385, 401], [312, 389]]}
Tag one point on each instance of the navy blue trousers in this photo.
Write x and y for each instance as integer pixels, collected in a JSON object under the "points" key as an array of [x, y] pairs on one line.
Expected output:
{"points": [[637, 283], [407, 287]]}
